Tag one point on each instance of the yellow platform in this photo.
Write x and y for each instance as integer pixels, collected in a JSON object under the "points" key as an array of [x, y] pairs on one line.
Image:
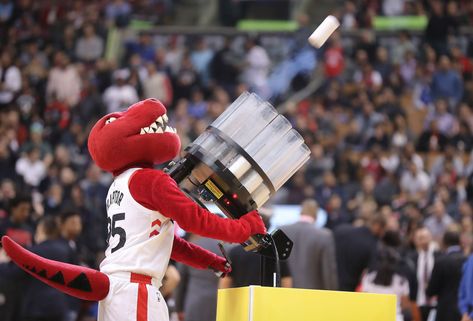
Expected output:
{"points": [[256, 303]]}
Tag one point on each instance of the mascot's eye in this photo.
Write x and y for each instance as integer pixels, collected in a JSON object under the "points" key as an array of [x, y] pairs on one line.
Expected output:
{"points": [[108, 121]]}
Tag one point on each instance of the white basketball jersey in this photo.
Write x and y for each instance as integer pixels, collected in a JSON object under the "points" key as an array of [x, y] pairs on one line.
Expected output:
{"points": [[139, 239]]}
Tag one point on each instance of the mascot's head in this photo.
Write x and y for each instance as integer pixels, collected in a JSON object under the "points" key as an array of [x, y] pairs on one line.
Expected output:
{"points": [[138, 136]]}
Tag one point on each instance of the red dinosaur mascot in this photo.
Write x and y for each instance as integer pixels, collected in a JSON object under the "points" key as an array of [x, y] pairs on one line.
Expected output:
{"points": [[142, 206]]}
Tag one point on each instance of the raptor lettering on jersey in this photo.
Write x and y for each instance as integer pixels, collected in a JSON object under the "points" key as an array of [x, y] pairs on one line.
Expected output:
{"points": [[114, 198]]}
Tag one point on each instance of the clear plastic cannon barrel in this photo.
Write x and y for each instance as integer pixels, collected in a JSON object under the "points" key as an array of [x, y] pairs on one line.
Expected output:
{"points": [[241, 160]]}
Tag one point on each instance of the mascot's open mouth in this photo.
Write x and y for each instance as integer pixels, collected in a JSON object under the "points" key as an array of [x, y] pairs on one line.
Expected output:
{"points": [[159, 126]]}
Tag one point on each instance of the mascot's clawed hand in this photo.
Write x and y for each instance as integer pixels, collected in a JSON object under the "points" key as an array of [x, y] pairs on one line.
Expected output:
{"points": [[142, 205], [221, 265]]}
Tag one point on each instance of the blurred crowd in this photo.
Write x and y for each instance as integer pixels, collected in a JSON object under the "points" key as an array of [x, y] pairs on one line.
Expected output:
{"points": [[390, 130]]}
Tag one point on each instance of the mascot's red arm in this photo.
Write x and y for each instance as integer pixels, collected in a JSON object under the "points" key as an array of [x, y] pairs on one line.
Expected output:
{"points": [[158, 191], [197, 257], [78, 281]]}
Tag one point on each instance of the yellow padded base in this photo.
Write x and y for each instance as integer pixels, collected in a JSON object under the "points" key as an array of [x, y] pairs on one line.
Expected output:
{"points": [[256, 303]]}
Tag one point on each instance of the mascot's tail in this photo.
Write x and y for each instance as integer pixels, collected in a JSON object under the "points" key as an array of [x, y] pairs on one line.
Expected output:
{"points": [[78, 281]]}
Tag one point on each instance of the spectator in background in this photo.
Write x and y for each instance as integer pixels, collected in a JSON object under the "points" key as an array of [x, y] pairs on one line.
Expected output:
{"points": [[405, 45], [312, 261], [7, 9], [118, 11], [402, 133], [336, 213], [201, 58], [383, 279], [379, 137], [367, 43], [461, 61], [186, 79], [120, 95], [355, 250], [348, 20], [393, 7], [224, 66], [10, 80], [70, 224], [143, 47], [37, 141], [445, 120], [256, 68], [90, 46], [368, 118], [446, 276], [432, 139], [408, 68], [415, 183], [64, 81], [383, 63], [334, 61], [301, 188], [354, 138], [328, 186], [197, 106], [17, 225], [454, 16], [368, 78], [31, 167], [437, 28], [449, 158], [53, 198], [66, 42], [157, 85], [7, 194], [7, 160], [463, 139], [173, 55], [438, 221], [447, 82], [364, 195]]}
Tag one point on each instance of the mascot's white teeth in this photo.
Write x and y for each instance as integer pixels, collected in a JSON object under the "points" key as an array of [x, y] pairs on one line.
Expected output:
{"points": [[170, 129], [159, 126]]}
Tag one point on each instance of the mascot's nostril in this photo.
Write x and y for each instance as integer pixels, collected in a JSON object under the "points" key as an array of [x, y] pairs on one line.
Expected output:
{"points": [[111, 119]]}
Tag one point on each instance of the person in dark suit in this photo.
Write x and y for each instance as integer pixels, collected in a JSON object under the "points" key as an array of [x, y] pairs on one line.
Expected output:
{"points": [[445, 279], [312, 262], [196, 294], [355, 250], [40, 302], [423, 257], [70, 224], [17, 226]]}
